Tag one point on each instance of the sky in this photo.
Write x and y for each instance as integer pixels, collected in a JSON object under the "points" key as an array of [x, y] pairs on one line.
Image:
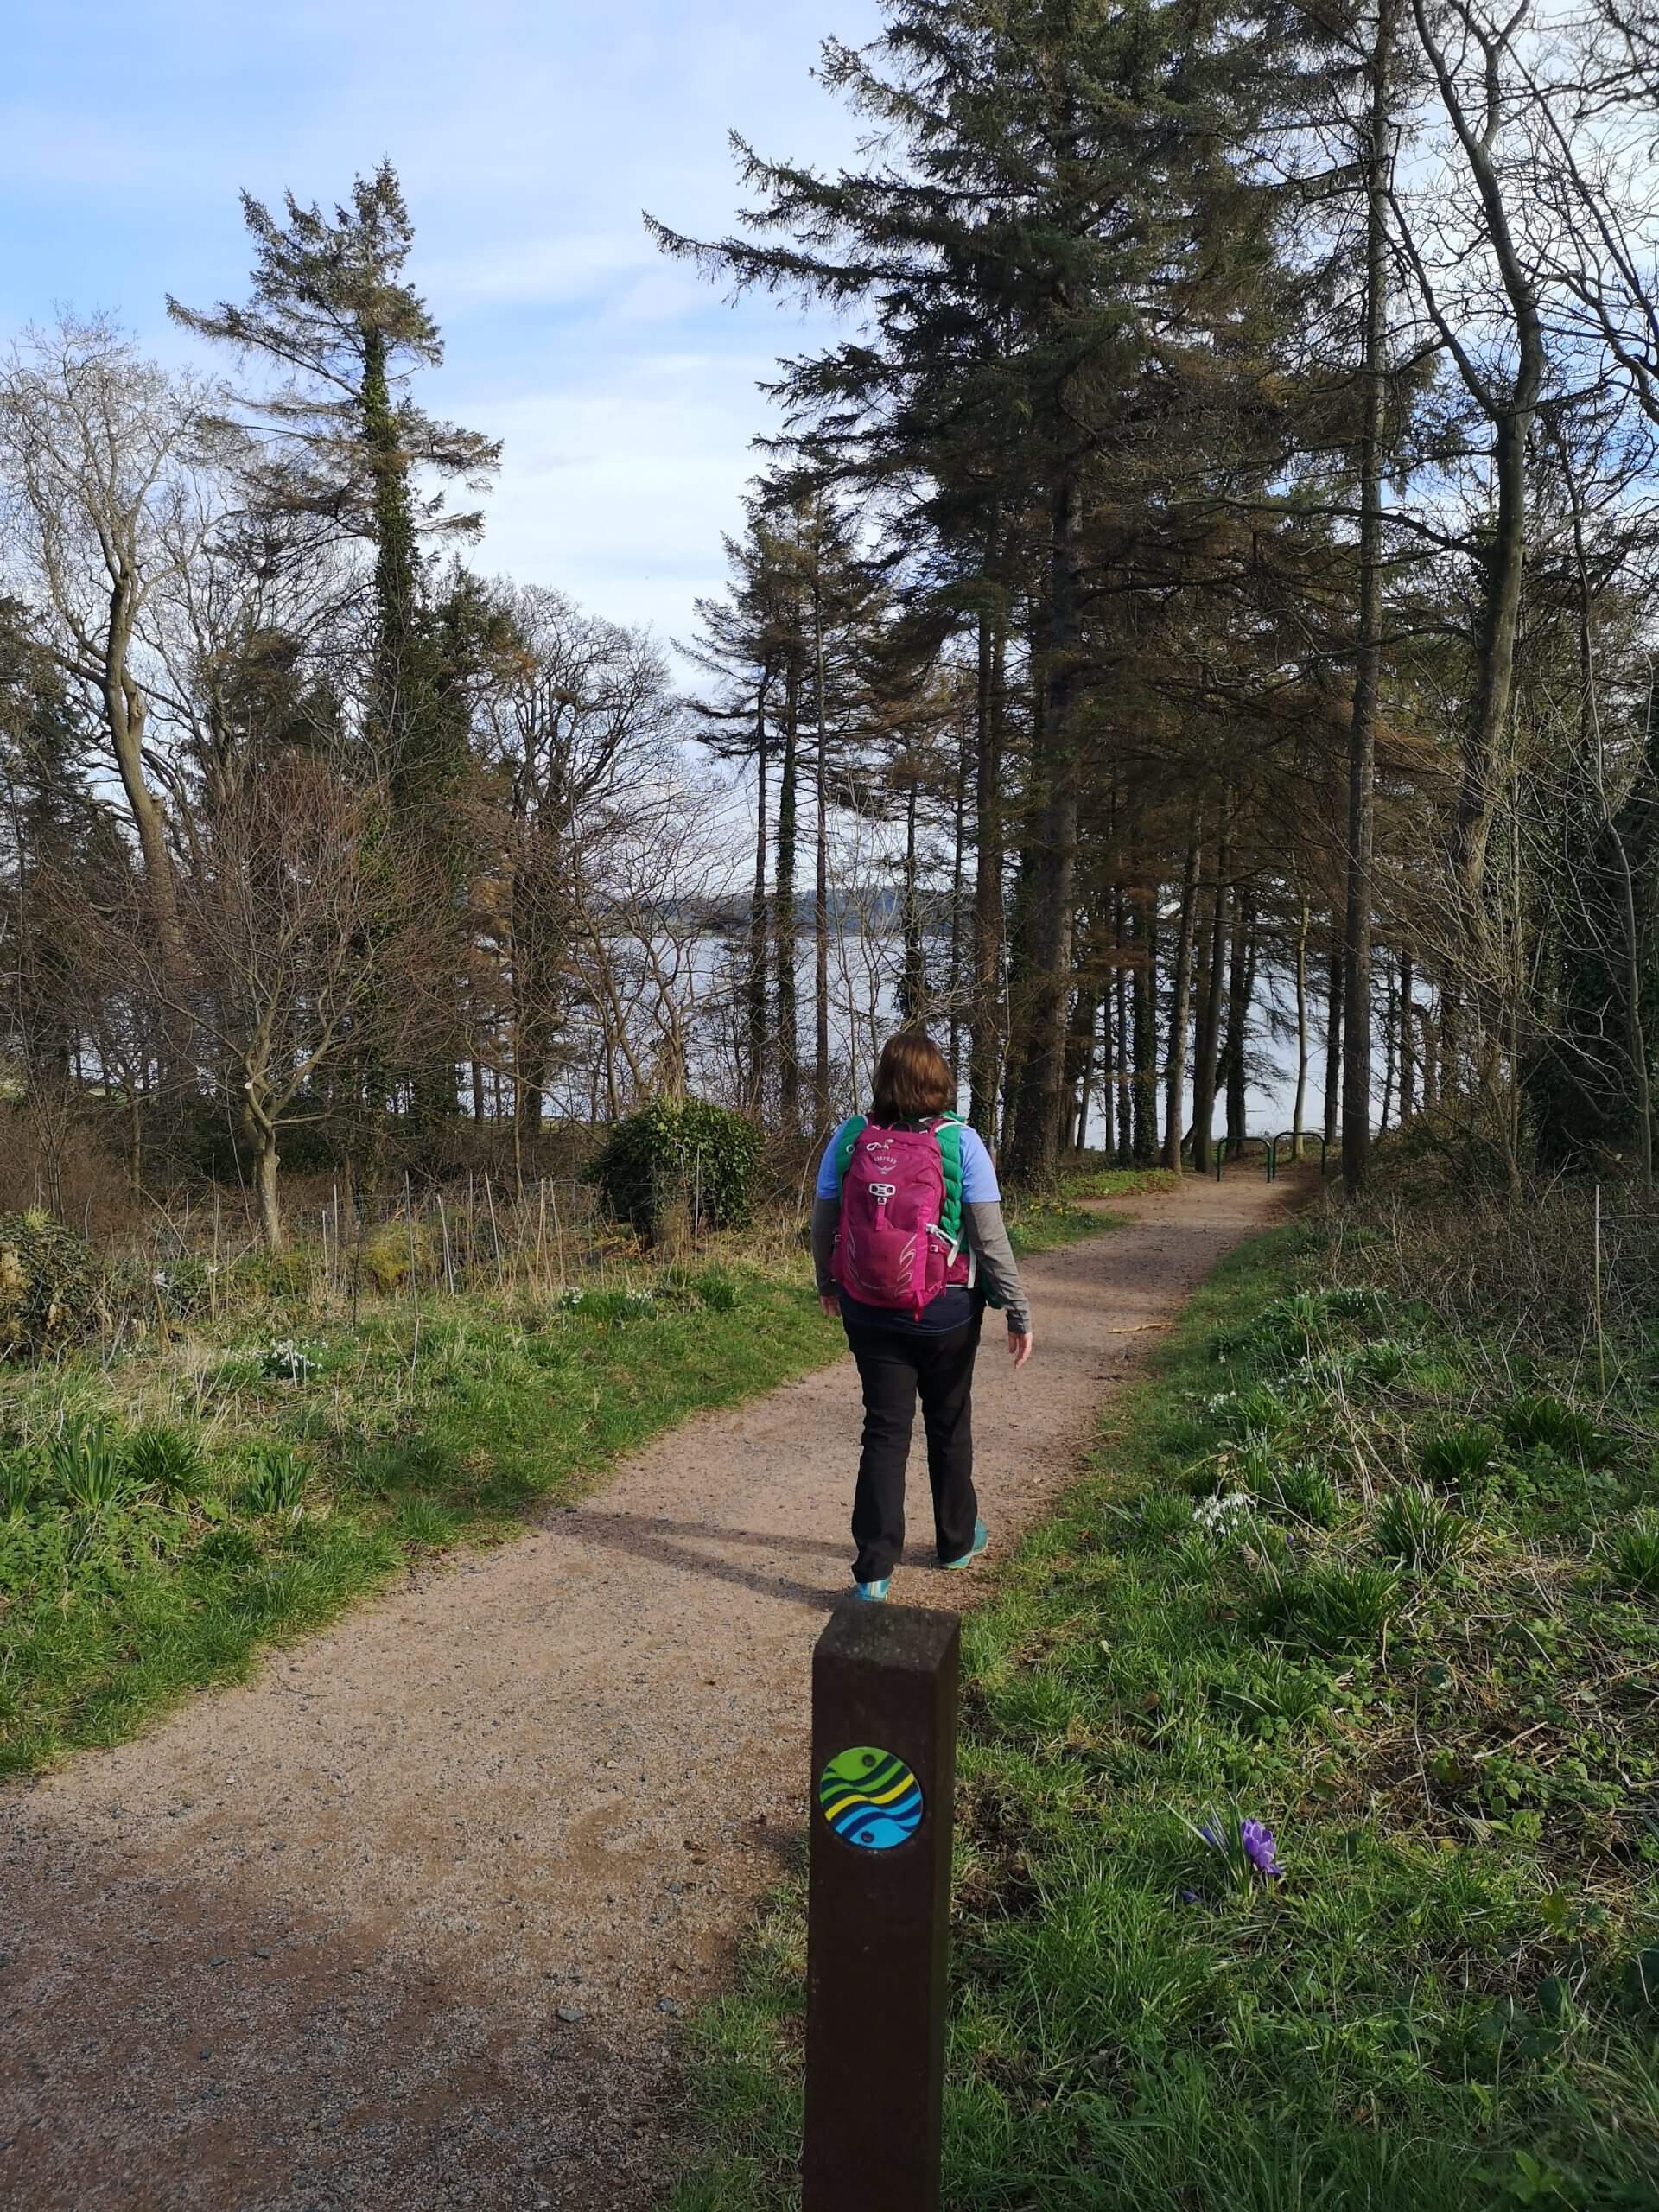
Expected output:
{"points": [[529, 138]]}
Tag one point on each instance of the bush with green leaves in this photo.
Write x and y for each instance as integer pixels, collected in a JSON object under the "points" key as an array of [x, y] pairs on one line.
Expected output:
{"points": [[1463, 1458], [1336, 1606], [1635, 1554], [88, 1467], [679, 1156], [52, 1285], [19, 1482], [1540, 1420], [162, 1459], [1420, 1530], [276, 1485]]}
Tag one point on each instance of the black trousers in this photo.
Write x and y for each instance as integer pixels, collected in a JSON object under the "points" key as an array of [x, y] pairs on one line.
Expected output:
{"points": [[895, 1368]]}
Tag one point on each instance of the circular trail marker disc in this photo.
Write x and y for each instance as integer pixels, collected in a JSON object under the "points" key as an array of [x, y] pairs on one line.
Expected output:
{"points": [[870, 1798]]}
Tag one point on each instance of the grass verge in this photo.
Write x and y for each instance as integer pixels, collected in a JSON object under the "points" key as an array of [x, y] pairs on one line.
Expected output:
{"points": [[1118, 1182], [162, 1518], [1044, 1224], [1345, 1567], [165, 1515]]}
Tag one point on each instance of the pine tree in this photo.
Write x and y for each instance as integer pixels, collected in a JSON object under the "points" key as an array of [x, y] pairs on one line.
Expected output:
{"points": [[334, 447], [1063, 189]]}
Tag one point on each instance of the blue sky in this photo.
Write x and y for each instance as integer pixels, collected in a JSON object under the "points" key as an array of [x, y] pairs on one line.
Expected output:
{"points": [[528, 138]]}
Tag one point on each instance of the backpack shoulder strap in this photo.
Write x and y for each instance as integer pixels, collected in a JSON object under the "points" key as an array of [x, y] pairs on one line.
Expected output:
{"points": [[850, 1134], [948, 1131]]}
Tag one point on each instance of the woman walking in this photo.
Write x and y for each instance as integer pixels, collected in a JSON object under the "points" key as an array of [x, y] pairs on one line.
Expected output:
{"points": [[909, 1245]]}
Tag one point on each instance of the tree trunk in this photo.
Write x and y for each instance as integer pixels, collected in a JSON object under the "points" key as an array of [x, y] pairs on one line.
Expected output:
{"points": [[958, 842], [1299, 1118], [1079, 1052], [784, 915], [820, 893], [1388, 1047], [1241, 995], [1207, 1054], [1143, 909], [1334, 1039], [1181, 995], [913, 986], [985, 1049], [757, 976], [1125, 1051], [1362, 744], [1035, 1144], [1090, 1002], [1501, 566], [263, 1138], [1408, 1041]]}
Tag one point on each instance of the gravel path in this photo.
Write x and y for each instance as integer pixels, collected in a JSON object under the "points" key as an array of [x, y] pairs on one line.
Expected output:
{"points": [[408, 1921]]}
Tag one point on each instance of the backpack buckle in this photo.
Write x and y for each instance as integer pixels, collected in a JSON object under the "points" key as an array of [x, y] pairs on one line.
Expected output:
{"points": [[882, 1189]]}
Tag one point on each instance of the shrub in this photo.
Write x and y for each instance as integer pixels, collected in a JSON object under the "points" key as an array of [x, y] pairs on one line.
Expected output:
{"points": [[276, 1485], [1308, 1492], [1420, 1530], [1559, 1428], [1636, 1554], [1384, 1360], [1463, 1458], [675, 1155], [88, 1467], [160, 1458], [382, 1263], [19, 1480], [1337, 1606], [51, 1286]]}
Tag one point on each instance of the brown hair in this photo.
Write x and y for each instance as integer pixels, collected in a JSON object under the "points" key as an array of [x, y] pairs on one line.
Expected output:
{"points": [[913, 1079]]}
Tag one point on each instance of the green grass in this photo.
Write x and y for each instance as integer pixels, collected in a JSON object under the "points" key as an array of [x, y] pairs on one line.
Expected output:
{"points": [[1043, 1224], [1439, 1693], [163, 1519], [1117, 1182]]}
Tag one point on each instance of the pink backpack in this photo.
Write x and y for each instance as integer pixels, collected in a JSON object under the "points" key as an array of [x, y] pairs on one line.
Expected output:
{"points": [[901, 1243]]}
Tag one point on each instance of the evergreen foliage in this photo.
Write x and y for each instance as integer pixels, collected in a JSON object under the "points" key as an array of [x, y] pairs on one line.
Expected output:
{"points": [[677, 1155]]}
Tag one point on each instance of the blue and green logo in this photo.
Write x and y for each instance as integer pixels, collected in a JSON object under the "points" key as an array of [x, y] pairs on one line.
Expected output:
{"points": [[870, 1798]]}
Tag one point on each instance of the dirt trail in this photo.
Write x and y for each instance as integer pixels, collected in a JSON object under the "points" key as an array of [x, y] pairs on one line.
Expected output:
{"points": [[408, 1920]]}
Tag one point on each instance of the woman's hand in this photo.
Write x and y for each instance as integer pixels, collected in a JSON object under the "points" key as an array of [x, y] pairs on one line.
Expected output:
{"points": [[830, 1301], [1019, 1344]]}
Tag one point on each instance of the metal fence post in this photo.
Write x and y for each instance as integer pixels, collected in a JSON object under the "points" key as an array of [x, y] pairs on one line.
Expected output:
{"points": [[884, 1758]]}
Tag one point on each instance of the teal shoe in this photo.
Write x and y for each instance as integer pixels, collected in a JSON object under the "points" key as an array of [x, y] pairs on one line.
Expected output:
{"points": [[874, 1593], [981, 1538]]}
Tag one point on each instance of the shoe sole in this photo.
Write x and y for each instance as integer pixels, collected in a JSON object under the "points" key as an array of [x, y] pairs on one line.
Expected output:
{"points": [[956, 1565]]}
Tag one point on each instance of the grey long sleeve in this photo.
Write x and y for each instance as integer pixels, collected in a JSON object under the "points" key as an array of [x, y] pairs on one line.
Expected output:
{"points": [[988, 1239]]}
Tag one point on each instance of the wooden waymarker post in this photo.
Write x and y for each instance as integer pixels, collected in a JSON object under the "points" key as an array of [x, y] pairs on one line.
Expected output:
{"points": [[884, 1761]]}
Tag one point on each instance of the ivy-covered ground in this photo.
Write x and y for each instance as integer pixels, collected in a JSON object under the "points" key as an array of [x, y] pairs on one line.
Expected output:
{"points": [[1309, 1807]]}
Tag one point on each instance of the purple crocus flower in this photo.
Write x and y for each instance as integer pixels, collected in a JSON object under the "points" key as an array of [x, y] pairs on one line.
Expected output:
{"points": [[1211, 1836], [1259, 1849], [1188, 1897]]}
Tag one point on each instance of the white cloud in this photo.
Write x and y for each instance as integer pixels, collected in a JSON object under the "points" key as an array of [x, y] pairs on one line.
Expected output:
{"points": [[529, 138], [617, 488]]}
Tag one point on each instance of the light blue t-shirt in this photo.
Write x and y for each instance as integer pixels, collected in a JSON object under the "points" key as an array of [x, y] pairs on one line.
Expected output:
{"points": [[978, 1176]]}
